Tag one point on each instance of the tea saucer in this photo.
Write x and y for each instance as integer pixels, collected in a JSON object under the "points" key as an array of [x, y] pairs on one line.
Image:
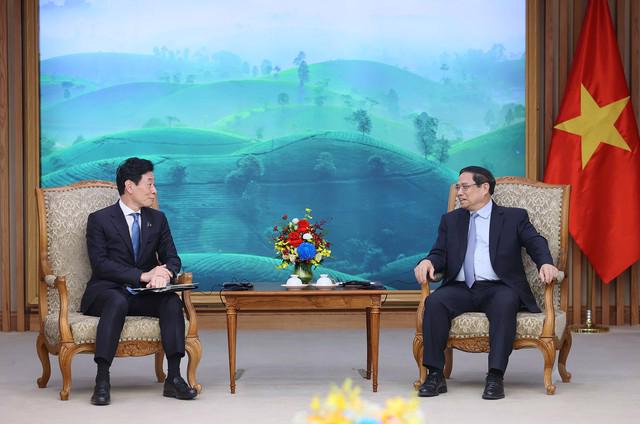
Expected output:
{"points": [[300, 287], [325, 287]]}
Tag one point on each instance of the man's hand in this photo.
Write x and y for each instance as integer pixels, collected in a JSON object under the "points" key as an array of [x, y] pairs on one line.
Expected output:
{"points": [[423, 270], [548, 273], [158, 277]]}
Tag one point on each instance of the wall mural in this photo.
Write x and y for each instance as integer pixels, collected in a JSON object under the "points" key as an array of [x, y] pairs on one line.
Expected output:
{"points": [[363, 112]]}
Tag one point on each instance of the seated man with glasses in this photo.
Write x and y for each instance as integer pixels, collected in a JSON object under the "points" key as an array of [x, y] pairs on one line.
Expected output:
{"points": [[479, 251]]}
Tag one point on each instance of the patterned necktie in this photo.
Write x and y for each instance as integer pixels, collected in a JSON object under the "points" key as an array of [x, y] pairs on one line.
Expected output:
{"points": [[135, 235], [469, 267]]}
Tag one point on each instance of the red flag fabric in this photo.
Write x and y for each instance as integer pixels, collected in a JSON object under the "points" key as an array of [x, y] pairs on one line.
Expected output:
{"points": [[595, 149]]}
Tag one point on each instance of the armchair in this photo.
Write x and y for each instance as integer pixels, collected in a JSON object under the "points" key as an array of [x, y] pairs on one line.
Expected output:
{"points": [[548, 208], [64, 272]]}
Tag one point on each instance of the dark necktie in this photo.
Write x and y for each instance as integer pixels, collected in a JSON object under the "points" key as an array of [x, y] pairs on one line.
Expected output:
{"points": [[135, 235]]}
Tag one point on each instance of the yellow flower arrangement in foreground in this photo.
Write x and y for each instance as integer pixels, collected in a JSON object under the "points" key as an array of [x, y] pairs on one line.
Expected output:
{"points": [[343, 406]]}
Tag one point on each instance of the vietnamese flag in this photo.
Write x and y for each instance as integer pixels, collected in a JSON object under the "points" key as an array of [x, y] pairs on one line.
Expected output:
{"points": [[594, 148]]}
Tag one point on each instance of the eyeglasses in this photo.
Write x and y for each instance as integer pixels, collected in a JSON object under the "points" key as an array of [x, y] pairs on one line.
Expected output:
{"points": [[465, 187]]}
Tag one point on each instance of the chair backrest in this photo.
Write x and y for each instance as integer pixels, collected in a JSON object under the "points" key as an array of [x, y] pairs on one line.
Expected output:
{"points": [[548, 208], [62, 215]]}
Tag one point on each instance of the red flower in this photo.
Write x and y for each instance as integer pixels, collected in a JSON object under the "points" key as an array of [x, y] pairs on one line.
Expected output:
{"points": [[275, 228], [294, 238], [285, 217], [303, 226]]}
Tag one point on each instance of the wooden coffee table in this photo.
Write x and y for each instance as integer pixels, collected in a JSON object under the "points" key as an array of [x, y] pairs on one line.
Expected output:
{"points": [[273, 298]]}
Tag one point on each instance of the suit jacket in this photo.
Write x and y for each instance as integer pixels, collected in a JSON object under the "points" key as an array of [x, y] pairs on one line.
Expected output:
{"points": [[111, 251], [509, 231]]}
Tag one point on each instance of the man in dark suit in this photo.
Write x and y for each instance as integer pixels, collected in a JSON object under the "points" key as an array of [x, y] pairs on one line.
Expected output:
{"points": [[479, 251], [130, 245]]}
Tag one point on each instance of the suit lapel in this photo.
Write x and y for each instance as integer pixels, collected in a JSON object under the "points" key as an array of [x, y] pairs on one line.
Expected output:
{"points": [[120, 224], [495, 229], [144, 231], [463, 236]]}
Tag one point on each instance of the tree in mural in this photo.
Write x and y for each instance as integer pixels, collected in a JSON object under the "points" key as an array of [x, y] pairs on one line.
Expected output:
{"points": [[248, 168], [47, 145], [442, 150], [283, 99], [377, 165], [299, 58], [512, 112], [392, 101], [426, 127], [178, 174], [66, 86], [325, 166], [303, 73], [266, 67], [362, 121]]}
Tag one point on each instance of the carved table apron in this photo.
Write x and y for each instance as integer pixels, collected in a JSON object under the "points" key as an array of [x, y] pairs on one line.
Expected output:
{"points": [[310, 299]]}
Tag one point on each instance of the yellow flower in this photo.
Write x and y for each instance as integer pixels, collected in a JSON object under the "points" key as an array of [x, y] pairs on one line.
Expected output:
{"points": [[343, 405]]}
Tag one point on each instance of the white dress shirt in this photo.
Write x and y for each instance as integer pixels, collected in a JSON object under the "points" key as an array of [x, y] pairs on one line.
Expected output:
{"points": [[481, 258], [127, 211]]}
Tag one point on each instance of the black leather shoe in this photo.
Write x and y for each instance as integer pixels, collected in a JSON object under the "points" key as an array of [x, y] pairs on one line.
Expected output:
{"points": [[494, 388], [179, 389], [101, 394], [433, 385]]}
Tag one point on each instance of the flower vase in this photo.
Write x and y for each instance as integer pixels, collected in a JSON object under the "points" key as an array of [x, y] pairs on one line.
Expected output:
{"points": [[304, 272]]}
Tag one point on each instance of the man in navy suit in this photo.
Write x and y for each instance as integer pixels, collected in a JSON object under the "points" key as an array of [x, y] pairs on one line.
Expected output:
{"points": [[130, 245], [479, 251]]}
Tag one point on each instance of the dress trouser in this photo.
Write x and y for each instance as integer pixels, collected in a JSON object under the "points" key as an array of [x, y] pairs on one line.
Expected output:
{"points": [[497, 300], [112, 306]]}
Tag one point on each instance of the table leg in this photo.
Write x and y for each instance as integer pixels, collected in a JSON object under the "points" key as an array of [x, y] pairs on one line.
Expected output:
{"points": [[231, 342], [368, 318], [375, 338]]}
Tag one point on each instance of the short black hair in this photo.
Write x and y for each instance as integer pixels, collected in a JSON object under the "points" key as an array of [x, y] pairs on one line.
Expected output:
{"points": [[480, 176], [132, 169]]}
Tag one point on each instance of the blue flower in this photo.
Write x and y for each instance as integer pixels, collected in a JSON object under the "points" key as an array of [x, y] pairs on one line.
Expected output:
{"points": [[306, 251], [368, 420]]}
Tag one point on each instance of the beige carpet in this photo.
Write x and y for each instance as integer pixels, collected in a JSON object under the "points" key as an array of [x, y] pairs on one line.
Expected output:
{"points": [[283, 370]]}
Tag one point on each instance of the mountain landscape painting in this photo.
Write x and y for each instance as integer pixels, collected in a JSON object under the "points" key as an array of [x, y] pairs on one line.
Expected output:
{"points": [[251, 110]]}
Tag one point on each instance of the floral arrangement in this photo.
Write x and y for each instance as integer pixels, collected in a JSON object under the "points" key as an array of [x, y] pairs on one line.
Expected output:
{"points": [[343, 406], [300, 241]]}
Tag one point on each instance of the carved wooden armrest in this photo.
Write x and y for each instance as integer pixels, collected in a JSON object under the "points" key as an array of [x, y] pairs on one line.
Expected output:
{"points": [[425, 289], [187, 278], [548, 328], [60, 284]]}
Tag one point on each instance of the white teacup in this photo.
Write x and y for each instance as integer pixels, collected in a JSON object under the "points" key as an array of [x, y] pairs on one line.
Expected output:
{"points": [[294, 280], [324, 280]]}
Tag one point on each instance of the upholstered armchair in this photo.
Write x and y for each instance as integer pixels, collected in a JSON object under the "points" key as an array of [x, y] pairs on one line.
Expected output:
{"points": [[64, 272], [548, 208]]}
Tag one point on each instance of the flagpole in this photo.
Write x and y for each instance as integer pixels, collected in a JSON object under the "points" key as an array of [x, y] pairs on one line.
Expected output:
{"points": [[589, 327]]}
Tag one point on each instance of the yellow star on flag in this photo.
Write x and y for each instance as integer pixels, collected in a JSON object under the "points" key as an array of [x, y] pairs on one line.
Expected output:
{"points": [[595, 124]]}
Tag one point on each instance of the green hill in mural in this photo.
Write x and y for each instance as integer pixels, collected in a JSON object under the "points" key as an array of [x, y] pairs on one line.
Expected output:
{"points": [[462, 106], [59, 88], [133, 105], [296, 119], [213, 269], [400, 271], [107, 69], [502, 151], [230, 203], [104, 111], [175, 141]]}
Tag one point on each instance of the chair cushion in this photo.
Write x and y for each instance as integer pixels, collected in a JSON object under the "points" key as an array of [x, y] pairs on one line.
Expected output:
{"points": [[84, 327], [529, 325]]}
